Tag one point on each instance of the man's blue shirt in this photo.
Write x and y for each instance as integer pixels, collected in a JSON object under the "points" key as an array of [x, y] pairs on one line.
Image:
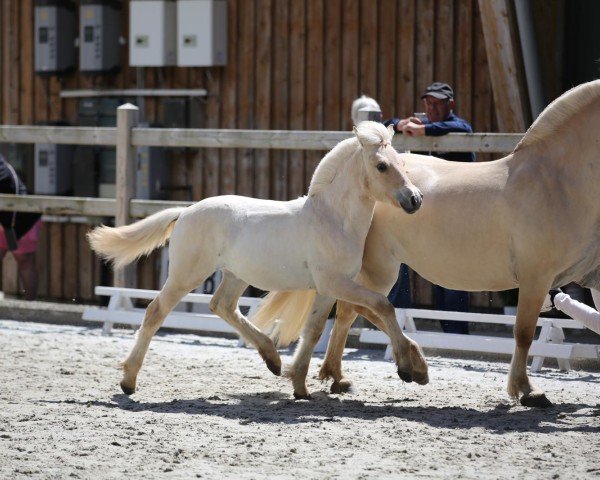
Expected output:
{"points": [[453, 124]]}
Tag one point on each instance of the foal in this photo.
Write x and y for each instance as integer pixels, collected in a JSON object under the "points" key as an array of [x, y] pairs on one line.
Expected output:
{"points": [[314, 242]]}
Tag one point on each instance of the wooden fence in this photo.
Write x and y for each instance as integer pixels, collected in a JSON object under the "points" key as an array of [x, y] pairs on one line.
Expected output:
{"points": [[70, 270]]}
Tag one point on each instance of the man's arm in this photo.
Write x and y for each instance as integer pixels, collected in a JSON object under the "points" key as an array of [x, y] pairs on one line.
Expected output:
{"points": [[437, 129]]}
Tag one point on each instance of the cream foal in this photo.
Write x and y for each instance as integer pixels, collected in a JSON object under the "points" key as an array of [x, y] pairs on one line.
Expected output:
{"points": [[315, 242]]}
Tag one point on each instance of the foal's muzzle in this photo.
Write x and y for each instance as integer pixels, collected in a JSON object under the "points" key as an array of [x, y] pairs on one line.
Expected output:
{"points": [[410, 199]]}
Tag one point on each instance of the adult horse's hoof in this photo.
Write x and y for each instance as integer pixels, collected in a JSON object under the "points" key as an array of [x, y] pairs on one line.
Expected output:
{"points": [[538, 400], [273, 367], [405, 376], [127, 390], [302, 396], [343, 386]]}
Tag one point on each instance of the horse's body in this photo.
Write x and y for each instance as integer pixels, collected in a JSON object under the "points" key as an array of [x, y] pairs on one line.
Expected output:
{"points": [[530, 220], [314, 242]]}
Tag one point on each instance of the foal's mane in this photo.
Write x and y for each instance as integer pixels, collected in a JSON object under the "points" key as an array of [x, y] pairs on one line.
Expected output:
{"points": [[559, 112], [369, 133]]}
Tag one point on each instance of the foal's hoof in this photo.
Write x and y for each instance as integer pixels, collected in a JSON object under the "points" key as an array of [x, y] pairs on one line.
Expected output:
{"points": [[273, 367], [421, 379], [343, 386], [302, 396], [127, 390], [536, 400], [405, 376]]}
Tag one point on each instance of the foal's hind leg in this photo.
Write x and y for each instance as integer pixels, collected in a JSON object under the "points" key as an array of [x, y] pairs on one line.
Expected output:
{"points": [[159, 308], [224, 304], [311, 333]]}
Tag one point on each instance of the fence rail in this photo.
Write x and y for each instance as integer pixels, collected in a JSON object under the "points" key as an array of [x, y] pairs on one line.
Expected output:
{"points": [[133, 136], [259, 139]]}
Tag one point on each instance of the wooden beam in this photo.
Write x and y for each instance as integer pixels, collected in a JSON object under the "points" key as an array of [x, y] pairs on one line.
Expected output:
{"points": [[503, 61], [127, 118]]}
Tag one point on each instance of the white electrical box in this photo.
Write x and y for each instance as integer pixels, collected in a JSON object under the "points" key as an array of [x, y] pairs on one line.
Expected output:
{"points": [[52, 169], [152, 33], [201, 33]]}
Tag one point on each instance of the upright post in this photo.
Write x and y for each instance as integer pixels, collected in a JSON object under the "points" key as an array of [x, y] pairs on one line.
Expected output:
{"points": [[127, 118]]}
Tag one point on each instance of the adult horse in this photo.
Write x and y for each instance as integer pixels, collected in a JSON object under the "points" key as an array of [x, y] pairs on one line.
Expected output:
{"points": [[314, 242], [529, 220]]}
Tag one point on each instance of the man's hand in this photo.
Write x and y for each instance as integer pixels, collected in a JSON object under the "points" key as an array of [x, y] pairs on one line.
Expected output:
{"points": [[413, 129]]}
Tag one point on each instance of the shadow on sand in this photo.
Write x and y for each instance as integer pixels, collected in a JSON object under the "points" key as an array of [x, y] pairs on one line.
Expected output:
{"points": [[275, 407]]}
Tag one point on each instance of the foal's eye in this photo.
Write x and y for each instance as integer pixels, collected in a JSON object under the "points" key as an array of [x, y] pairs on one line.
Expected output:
{"points": [[382, 167]]}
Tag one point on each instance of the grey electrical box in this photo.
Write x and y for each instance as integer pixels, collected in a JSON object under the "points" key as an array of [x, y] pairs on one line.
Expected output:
{"points": [[201, 33], [53, 169], [152, 33], [99, 32], [54, 36]]}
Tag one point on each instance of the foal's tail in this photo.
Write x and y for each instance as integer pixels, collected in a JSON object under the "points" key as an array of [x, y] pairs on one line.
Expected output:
{"points": [[122, 245], [290, 308]]}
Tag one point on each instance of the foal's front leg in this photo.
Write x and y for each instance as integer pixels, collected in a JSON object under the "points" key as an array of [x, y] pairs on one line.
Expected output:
{"points": [[313, 329], [409, 358], [332, 365]]}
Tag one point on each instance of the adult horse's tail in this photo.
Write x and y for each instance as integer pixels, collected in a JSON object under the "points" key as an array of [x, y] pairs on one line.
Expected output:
{"points": [[289, 309], [122, 245]]}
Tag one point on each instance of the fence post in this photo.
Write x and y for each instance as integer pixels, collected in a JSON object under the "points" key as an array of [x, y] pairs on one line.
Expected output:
{"points": [[127, 118]]}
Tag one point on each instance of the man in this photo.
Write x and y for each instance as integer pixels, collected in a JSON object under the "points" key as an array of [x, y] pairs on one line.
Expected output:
{"points": [[438, 101], [19, 232]]}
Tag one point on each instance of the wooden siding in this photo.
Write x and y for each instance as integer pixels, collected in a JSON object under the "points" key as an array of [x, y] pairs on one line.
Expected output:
{"points": [[291, 65]]}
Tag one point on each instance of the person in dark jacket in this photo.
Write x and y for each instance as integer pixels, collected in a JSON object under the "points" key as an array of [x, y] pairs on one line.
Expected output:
{"points": [[440, 119], [19, 231]]}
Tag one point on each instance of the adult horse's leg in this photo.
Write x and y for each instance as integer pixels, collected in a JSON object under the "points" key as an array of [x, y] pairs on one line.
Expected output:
{"points": [[531, 298], [172, 292], [409, 358], [311, 333], [225, 304]]}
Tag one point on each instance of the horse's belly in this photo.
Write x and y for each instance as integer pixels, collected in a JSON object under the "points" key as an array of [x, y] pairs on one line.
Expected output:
{"points": [[464, 270], [262, 273]]}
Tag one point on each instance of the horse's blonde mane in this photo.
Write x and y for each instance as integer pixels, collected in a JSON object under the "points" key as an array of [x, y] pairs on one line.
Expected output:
{"points": [[559, 113], [367, 133]]}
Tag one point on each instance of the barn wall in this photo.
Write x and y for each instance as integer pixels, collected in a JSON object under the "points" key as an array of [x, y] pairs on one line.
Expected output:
{"points": [[292, 65]]}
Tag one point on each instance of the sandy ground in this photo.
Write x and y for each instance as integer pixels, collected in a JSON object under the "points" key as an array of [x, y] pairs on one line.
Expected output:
{"points": [[207, 409]]}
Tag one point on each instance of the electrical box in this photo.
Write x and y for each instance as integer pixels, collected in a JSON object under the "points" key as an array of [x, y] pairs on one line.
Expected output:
{"points": [[152, 33], [99, 32], [201, 33], [55, 33], [53, 169]]}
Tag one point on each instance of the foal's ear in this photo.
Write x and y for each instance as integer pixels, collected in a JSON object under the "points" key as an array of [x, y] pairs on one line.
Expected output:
{"points": [[391, 129], [355, 131]]}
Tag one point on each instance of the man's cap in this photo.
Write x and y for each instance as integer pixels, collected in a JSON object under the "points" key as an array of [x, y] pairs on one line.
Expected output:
{"points": [[439, 90]]}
